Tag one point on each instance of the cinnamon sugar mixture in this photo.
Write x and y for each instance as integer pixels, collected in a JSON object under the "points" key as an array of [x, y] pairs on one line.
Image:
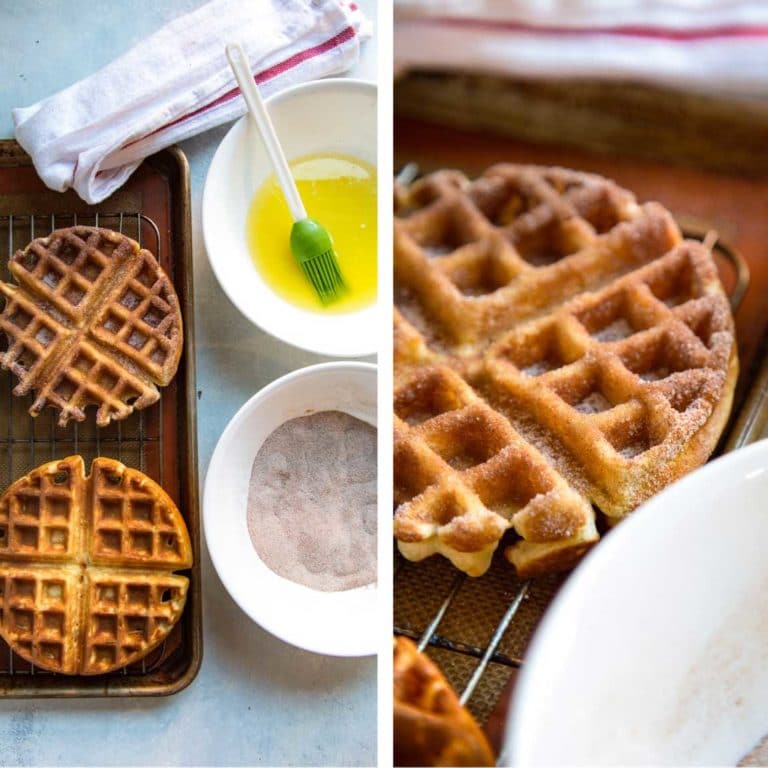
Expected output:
{"points": [[312, 501]]}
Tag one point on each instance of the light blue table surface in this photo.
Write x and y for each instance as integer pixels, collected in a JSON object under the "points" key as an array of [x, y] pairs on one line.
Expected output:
{"points": [[256, 700]]}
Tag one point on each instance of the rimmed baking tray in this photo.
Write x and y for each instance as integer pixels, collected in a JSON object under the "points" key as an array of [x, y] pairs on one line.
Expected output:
{"points": [[661, 145], [152, 208]]}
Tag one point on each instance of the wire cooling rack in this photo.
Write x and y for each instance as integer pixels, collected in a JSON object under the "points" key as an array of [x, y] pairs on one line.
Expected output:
{"points": [[476, 630], [26, 442]]}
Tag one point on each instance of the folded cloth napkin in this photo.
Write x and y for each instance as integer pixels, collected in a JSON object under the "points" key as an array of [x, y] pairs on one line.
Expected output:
{"points": [[177, 83], [706, 45]]}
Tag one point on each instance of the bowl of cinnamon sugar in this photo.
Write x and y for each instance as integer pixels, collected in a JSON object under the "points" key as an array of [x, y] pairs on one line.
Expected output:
{"points": [[289, 508]]}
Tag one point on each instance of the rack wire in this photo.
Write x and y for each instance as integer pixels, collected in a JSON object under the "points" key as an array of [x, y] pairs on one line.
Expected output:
{"points": [[476, 630], [26, 442]]}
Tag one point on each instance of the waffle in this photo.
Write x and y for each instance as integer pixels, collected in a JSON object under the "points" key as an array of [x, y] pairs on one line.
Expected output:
{"points": [[431, 727], [93, 320], [558, 349], [87, 582]]}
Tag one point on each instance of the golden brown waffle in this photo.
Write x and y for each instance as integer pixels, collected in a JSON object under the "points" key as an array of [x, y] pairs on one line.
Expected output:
{"points": [[86, 566], [431, 727], [556, 346], [93, 320]]}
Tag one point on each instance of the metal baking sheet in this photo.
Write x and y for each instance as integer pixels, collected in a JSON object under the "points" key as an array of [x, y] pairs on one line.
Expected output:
{"points": [[153, 209]]}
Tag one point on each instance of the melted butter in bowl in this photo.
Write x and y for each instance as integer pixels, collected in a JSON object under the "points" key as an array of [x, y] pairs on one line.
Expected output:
{"points": [[339, 191], [312, 501], [246, 226]]}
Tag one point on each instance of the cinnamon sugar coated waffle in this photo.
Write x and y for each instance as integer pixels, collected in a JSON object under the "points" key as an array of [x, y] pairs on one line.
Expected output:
{"points": [[87, 582], [431, 727], [561, 354], [93, 320]]}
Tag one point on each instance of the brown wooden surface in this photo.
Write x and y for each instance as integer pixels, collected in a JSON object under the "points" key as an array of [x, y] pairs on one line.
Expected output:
{"points": [[621, 118]]}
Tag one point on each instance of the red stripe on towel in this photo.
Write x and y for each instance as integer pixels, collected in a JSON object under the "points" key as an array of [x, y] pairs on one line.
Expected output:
{"points": [[261, 77], [629, 30]]}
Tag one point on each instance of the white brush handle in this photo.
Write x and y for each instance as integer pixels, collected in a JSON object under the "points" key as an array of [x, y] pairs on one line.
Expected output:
{"points": [[258, 109]]}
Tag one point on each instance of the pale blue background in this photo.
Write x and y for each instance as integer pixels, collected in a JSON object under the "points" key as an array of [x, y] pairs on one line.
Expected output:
{"points": [[256, 700]]}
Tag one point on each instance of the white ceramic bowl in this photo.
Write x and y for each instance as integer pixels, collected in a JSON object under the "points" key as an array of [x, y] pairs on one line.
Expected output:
{"points": [[334, 115], [333, 623], [655, 652]]}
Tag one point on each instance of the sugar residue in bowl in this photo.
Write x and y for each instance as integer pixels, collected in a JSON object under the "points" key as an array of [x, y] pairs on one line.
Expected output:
{"points": [[312, 501]]}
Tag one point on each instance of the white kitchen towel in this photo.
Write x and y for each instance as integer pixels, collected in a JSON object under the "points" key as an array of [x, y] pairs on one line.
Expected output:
{"points": [[177, 83], [706, 45]]}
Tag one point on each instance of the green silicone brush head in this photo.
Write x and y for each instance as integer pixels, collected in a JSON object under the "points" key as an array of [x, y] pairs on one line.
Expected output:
{"points": [[312, 247]]}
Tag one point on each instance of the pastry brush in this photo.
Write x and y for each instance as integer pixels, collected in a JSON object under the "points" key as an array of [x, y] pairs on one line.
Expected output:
{"points": [[310, 241]]}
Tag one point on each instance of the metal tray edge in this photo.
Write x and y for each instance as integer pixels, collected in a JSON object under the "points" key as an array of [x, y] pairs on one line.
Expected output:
{"points": [[183, 221]]}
